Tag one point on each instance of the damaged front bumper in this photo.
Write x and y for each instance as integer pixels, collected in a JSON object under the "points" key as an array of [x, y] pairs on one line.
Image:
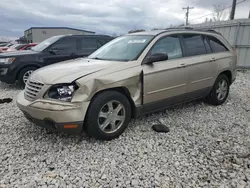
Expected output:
{"points": [[56, 115]]}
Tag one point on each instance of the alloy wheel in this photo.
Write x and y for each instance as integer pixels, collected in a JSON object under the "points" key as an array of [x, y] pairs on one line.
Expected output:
{"points": [[27, 75], [222, 89], [111, 116]]}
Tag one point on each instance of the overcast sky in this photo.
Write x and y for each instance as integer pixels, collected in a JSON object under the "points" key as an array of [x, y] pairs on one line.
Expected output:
{"points": [[105, 16]]}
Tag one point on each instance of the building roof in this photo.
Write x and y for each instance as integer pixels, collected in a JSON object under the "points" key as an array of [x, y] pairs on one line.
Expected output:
{"points": [[60, 28]]}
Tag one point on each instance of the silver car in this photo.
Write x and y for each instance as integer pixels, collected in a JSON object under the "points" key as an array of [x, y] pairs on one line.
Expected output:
{"points": [[130, 76]]}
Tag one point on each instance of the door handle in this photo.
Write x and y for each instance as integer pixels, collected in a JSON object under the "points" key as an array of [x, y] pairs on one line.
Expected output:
{"points": [[182, 65], [212, 59]]}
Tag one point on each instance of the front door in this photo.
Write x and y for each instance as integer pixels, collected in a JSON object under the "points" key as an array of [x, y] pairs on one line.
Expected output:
{"points": [[165, 82], [62, 50]]}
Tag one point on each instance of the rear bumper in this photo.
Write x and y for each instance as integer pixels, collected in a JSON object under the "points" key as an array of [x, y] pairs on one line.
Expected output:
{"points": [[55, 115], [234, 76]]}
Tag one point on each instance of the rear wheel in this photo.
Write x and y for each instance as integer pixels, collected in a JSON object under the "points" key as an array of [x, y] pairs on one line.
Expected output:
{"points": [[108, 115], [25, 74], [220, 90]]}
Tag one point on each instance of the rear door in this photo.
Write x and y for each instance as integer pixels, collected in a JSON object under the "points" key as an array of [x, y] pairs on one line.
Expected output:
{"points": [[165, 82], [200, 63], [62, 50]]}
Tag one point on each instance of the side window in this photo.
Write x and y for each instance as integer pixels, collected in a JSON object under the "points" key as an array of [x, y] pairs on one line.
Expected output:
{"points": [[170, 45], [208, 48], [65, 45], [194, 44], [104, 40], [216, 45], [88, 43], [99, 44]]}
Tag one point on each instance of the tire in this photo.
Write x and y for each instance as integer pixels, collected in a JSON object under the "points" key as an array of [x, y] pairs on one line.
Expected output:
{"points": [[103, 109], [22, 74], [214, 98]]}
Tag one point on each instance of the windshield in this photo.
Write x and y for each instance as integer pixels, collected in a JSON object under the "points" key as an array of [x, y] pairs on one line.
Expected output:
{"points": [[44, 44], [126, 48]]}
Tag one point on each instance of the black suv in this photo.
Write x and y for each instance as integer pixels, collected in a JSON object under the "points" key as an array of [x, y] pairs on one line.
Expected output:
{"points": [[17, 66]]}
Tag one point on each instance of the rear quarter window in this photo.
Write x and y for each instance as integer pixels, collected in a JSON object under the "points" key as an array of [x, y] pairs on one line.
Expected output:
{"points": [[216, 45]]}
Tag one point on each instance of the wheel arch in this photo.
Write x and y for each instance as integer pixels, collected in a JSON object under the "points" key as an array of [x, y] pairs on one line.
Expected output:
{"points": [[25, 66], [124, 91], [228, 73]]}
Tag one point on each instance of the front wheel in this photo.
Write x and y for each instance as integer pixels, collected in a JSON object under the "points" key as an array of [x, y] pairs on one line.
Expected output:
{"points": [[25, 74], [219, 91], [108, 115]]}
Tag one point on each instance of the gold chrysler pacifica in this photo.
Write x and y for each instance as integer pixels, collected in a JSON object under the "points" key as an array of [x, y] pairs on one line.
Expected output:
{"points": [[130, 76]]}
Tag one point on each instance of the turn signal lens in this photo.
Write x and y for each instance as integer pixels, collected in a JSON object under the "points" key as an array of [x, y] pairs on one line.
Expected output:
{"points": [[70, 126]]}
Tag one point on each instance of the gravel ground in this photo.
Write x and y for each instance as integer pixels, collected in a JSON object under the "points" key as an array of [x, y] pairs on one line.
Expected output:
{"points": [[207, 146]]}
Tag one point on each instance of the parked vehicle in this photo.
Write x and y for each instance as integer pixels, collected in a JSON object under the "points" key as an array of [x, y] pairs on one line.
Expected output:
{"points": [[17, 47], [128, 77], [28, 46], [4, 48], [20, 64], [3, 44]]}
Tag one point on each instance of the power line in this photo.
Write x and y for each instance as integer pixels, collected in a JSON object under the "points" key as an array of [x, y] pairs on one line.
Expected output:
{"points": [[187, 13], [218, 10]]}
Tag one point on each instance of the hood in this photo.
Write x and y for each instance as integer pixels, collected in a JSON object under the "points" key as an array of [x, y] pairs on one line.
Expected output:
{"points": [[68, 71], [17, 53]]}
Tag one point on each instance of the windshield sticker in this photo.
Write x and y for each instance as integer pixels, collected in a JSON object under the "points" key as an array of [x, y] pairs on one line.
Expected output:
{"points": [[137, 41]]}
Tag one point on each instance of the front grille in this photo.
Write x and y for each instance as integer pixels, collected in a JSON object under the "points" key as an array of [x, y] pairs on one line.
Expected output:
{"points": [[32, 89]]}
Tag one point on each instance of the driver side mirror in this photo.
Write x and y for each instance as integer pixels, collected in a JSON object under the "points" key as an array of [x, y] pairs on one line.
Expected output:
{"points": [[53, 51], [155, 58]]}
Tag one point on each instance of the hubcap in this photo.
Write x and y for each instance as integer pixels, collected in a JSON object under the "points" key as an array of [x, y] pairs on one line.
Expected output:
{"points": [[111, 116], [27, 75], [222, 90]]}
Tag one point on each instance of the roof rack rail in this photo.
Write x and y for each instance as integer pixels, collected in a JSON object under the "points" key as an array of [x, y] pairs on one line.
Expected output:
{"points": [[209, 30], [193, 28]]}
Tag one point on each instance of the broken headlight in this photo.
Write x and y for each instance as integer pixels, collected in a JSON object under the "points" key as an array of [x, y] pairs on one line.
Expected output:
{"points": [[62, 92]]}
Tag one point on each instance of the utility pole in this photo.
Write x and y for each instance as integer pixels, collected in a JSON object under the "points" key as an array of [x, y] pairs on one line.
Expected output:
{"points": [[233, 10], [187, 13], [249, 14]]}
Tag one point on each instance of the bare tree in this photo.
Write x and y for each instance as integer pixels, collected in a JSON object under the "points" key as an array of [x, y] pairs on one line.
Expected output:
{"points": [[220, 13]]}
